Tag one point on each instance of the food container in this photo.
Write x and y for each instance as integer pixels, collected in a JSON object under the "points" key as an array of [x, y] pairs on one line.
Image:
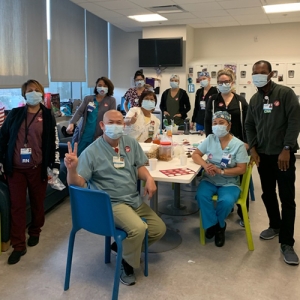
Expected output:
{"points": [[165, 151], [173, 129]]}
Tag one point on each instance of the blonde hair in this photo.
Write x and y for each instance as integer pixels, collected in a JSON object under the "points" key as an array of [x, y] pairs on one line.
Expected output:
{"points": [[228, 72], [175, 76]]}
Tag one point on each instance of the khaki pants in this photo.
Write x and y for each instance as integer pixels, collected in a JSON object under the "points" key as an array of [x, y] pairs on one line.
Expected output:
{"points": [[129, 220]]}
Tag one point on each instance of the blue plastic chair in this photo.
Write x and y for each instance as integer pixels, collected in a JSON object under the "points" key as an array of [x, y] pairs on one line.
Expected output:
{"points": [[92, 211]]}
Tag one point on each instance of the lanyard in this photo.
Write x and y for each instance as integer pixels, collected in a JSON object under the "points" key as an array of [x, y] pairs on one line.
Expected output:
{"points": [[27, 127]]}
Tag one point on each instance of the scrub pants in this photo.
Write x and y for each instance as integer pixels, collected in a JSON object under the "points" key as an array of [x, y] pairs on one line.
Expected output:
{"points": [[211, 214], [129, 219], [18, 182], [270, 174]]}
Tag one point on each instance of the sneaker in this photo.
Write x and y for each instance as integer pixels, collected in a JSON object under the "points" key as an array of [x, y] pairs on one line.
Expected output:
{"points": [[33, 241], [210, 232], [269, 233], [289, 254], [242, 223], [15, 256], [114, 248], [127, 276]]}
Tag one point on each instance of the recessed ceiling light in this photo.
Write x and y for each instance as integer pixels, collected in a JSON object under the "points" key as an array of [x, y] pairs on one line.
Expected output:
{"points": [[279, 8], [148, 18]]}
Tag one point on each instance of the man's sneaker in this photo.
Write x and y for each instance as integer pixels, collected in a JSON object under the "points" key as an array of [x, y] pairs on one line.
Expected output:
{"points": [[269, 233], [289, 254], [242, 223], [114, 248], [127, 276], [15, 256]]}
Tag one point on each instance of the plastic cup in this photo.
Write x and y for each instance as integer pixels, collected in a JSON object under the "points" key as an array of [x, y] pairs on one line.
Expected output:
{"points": [[183, 159], [152, 163]]}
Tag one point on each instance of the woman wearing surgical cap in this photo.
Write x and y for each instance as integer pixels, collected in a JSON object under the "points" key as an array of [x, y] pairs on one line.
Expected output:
{"points": [[28, 146], [235, 105], [175, 102], [227, 159], [201, 99]]}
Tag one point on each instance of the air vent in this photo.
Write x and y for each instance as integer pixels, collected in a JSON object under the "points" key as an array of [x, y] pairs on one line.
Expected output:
{"points": [[167, 9]]}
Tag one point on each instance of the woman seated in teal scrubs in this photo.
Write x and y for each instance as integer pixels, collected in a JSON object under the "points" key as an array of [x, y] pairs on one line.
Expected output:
{"points": [[227, 158], [92, 110]]}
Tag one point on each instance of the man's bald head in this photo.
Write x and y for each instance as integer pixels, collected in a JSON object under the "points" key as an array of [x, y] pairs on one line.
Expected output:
{"points": [[112, 117]]}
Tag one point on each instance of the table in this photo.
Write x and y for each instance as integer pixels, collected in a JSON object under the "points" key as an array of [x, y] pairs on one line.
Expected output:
{"points": [[172, 239]]}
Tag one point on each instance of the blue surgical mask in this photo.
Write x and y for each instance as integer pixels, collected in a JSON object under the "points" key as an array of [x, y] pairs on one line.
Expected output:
{"points": [[113, 131], [204, 83], [140, 83], [260, 80], [174, 84], [224, 88], [219, 130], [102, 90], [34, 98], [148, 104]]}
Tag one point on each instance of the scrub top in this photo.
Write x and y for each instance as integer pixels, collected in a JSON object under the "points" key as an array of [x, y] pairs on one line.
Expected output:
{"points": [[96, 166], [235, 150], [89, 129]]}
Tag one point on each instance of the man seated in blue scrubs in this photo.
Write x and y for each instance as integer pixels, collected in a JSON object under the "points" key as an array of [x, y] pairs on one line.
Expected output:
{"points": [[227, 158], [113, 163]]}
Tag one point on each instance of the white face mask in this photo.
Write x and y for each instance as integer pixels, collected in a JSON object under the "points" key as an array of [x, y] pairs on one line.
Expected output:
{"points": [[260, 80], [33, 98], [102, 90], [139, 83], [204, 83], [174, 84]]}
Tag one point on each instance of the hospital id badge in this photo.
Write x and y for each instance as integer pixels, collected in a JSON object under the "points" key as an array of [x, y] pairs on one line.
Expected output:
{"points": [[226, 160], [202, 105], [25, 154], [268, 108], [118, 162], [91, 107], [151, 131]]}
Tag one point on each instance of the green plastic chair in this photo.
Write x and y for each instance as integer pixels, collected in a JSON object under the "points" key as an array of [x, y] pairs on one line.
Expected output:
{"points": [[242, 202]]}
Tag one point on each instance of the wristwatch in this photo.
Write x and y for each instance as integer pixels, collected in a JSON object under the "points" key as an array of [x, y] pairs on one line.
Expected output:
{"points": [[222, 172], [287, 148]]}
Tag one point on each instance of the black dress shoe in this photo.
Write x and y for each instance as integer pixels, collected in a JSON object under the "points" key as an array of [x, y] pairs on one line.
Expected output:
{"points": [[15, 257], [220, 236], [33, 241], [210, 232]]}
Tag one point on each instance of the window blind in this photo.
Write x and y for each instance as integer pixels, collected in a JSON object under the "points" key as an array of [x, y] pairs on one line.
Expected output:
{"points": [[23, 42], [67, 42], [97, 48]]}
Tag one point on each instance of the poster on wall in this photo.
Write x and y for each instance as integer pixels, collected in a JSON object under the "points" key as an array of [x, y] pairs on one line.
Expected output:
{"points": [[230, 66]]}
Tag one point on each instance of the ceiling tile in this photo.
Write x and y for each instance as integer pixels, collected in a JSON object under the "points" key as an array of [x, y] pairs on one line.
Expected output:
{"points": [[191, 1], [211, 13], [188, 21], [201, 25], [151, 3], [93, 8], [271, 2], [250, 17], [115, 5], [135, 11], [224, 24], [219, 19], [240, 3], [246, 11], [253, 22]]}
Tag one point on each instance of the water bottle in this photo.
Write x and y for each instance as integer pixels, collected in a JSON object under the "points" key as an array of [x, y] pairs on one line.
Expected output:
{"points": [[186, 126], [165, 122]]}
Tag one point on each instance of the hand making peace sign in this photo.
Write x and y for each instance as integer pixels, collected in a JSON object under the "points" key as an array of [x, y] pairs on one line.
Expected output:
{"points": [[71, 159]]}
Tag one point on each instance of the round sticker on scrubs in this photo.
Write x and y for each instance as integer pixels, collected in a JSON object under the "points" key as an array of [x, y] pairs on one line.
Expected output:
{"points": [[221, 104], [40, 119], [210, 156], [276, 103], [127, 149]]}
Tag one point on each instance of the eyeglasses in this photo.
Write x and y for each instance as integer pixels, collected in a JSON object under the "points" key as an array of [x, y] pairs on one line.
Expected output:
{"points": [[223, 82]]}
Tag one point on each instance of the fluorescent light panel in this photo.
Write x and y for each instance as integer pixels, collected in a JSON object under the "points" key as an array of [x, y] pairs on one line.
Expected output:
{"points": [[148, 18], [280, 8]]}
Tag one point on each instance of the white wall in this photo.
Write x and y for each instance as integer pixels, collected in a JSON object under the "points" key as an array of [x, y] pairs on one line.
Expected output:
{"points": [[123, 59]]}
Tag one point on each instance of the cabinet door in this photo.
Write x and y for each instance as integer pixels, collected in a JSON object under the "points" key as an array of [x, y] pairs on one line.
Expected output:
{"points": [[246, 91], [296, 89], [213, 70], [279, 70], [244, 74], [293, 73]]}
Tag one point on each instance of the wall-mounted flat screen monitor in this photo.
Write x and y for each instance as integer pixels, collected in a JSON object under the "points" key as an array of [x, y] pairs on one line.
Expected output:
{"points": [[160, 52]]}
